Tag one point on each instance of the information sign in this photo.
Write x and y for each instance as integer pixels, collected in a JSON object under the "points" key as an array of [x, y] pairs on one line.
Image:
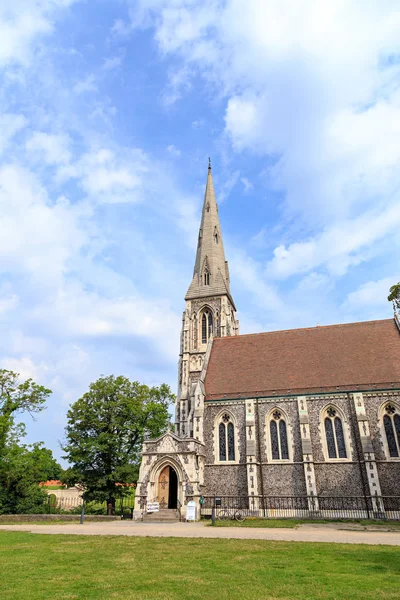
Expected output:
{"points": [[153, 507], [191, 511]]}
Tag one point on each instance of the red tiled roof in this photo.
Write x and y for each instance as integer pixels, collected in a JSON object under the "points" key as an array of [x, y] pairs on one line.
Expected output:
{"points": [[51, 482], [330, 358]]}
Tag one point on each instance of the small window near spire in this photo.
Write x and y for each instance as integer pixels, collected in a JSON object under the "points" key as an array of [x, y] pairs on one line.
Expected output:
{"points": [[216, 238], [207, 278]]}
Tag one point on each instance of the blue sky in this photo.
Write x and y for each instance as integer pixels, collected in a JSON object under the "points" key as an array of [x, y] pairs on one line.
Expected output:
{"points": [[108, 113]]}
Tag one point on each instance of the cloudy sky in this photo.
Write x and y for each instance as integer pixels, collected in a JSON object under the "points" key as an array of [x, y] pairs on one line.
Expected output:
{"points": [[109, 110]]}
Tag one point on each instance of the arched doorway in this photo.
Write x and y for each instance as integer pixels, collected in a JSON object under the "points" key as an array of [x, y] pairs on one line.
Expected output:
{"points": [[168, 488]]}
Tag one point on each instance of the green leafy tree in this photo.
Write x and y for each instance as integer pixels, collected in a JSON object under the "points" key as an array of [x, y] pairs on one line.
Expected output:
{"points": [[22, 468], [105, 433], [394, 295], [17, 397]]}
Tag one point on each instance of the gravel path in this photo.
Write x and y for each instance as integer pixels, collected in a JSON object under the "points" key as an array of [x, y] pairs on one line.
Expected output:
{"points": [[305, 533]]}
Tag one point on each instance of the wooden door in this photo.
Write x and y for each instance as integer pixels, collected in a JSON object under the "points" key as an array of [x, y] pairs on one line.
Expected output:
{"points": [[163, 487]]}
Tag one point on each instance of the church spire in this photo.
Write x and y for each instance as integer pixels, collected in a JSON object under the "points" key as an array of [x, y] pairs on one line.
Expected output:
{"points": [[211, 274]]}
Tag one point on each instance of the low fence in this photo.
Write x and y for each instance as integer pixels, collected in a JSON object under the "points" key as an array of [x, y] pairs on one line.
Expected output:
{"points": [[305, 507], [74, 505]]}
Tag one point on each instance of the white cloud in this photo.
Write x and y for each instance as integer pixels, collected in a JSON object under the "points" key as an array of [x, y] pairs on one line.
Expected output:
{"points": [[198, 123], [113, 177], [248, 186], [371, 294], [228, 186], [77, 313], [121, 28], [112, 63], [249, 274], [337, 247], [85, 86], [53, 149], [24, 366], [36, 236], [179, 83], [22, 24], [10, 124], [7, 302], [173, 150]]}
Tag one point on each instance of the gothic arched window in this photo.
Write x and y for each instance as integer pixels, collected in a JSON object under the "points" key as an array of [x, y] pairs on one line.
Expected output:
{"points": [[391, 424], [334, 434], [207, 325], [279, 438], [278, 444], [226, 438]]}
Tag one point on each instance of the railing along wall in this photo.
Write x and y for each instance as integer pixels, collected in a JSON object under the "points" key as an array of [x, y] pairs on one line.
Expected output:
{"points": [[306, 507]]}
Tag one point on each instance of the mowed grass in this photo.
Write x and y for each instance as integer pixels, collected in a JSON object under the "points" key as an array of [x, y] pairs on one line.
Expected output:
{"points": [[36, 566], [291, 523], [266, 523]]}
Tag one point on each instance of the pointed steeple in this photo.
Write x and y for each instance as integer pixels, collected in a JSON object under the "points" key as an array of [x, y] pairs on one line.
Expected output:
{"points": [[211, 273]]}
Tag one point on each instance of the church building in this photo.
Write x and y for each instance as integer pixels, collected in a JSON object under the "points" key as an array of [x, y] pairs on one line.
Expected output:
{"points": [[309, 414]]}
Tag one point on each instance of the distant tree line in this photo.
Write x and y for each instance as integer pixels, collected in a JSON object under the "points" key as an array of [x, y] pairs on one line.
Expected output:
{"points": [[103, 439]]}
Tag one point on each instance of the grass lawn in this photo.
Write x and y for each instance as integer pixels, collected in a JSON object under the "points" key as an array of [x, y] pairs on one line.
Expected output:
{"points": [[290, 523], [70, 567], [268, 523]]}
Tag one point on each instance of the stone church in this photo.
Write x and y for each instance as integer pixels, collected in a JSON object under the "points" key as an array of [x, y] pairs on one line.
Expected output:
{"points": [[309, 414]]}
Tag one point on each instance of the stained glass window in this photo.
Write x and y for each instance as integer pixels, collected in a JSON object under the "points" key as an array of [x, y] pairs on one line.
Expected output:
{"points": [[330, 439], [204, 329], [334, 434], [283, 439], [222, 442], [274, 440], [390, 436], [226, 438], [231, 442], [206, 326], [210, 324], [397, 428], [279, 438], [341, 446]]}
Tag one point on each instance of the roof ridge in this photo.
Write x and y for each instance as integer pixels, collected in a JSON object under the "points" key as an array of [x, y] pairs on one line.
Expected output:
{"points": [[242, 335]]}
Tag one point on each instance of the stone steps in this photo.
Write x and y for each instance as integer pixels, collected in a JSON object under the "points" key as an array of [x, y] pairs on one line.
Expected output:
{"points": [[169, 515]]}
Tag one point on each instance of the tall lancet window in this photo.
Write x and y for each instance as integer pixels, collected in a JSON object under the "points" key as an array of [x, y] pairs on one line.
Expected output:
{"points": [[279, 438], [226, 434], [391, 423], [207, 325], [334, 434]]}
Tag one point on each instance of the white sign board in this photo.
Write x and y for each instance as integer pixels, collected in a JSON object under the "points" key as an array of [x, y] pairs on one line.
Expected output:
{"points": [[191, 511], [153, 507]]}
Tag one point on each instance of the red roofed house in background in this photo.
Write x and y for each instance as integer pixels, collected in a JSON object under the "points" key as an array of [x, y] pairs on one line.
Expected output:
{"points": [[280, 421]]}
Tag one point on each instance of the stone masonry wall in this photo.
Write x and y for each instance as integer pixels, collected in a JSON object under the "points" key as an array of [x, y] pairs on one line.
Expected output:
{"points": [[337, 478], [210, 413], [284, 480], [228, 480]]}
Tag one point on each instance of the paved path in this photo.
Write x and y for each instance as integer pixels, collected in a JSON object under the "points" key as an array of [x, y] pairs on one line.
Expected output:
{"points": [[305, 533]]}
